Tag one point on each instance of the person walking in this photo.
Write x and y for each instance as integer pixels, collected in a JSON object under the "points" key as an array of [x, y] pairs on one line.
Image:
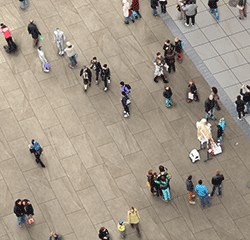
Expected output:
{"points": [[125, 88], [246, 96], [214, 92], [202, 192], [193, 92], [8, 37], [216, 181], [33, 30], [70, 51], [242, 5], [55, 236], [37, 150], [240, 106], [96, 66], [214, 8], [163, 181], [104, 233], [122, 229], [22, 3], [190, 9], [20, 212], [105, 74], [163, 4], [59, 39], [125, 8], [86, 74], [154, 6], [134, 219], [29, 211], [168, 94], [209, 107], [170, 60], [190, 188], [124, 102], [44, 61], [159, 71], [178, 48], [135, 7], [221, 127]]}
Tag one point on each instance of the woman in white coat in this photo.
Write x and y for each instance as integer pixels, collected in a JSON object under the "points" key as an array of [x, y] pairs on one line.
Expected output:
{"points": [[125, 8]]}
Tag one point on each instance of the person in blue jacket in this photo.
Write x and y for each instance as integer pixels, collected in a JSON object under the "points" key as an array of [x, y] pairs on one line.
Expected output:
{"points": [[54, 236], [202, 192]]}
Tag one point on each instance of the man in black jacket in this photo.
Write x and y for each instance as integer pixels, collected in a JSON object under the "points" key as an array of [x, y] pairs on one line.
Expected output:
{"points": [[190, 188], [246, 96], [105, 74], [209, 107], [154, 6], [216, 181], [20, 212], [96, 66], [33, 30]]}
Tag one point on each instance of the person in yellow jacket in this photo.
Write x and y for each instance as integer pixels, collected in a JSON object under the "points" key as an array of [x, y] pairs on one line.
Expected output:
{"points": [[121, 228], [134, 218]]}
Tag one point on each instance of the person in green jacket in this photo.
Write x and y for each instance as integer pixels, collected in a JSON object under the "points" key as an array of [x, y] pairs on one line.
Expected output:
{"points": [[163, 181]]}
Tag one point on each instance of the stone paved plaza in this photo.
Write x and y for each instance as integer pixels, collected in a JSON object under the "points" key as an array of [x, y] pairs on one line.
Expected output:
{"points": [[96, 161]]}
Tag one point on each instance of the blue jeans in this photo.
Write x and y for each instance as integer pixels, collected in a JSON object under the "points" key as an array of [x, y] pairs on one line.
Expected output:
{"points": [[248, 107], [168, 102], [21, 220], [154, 12], [216, 13], [220, 139], [72, 60], [214, 188], [22, 3], [166, 194], [130, 17], [202, 200], [211, 114]]}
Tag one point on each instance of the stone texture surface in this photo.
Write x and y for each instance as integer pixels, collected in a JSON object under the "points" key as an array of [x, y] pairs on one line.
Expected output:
{"points": [[96, 160]]}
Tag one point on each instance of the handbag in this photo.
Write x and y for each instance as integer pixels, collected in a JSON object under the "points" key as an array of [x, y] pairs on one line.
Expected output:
{"points": [[148, 184], [190, 96], [240, 7]]}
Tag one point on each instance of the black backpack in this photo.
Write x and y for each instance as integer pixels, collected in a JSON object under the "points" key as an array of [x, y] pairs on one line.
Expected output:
{"points": [[128, 87]]}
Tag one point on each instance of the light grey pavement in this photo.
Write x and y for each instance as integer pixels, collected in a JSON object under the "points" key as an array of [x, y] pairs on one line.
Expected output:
{"points": [[96, 161]]}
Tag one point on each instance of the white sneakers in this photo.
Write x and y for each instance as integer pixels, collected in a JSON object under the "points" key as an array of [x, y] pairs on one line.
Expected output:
{"points": [[126, 115], [191, 202], [105, 89], [186, 24]]}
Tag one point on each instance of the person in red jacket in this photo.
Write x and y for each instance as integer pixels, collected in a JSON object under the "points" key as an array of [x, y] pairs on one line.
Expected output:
{"points": [[5, 30], [135, 7]]}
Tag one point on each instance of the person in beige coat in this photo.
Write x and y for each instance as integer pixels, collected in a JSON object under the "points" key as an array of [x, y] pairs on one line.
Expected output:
{"points": [[134, 218]]}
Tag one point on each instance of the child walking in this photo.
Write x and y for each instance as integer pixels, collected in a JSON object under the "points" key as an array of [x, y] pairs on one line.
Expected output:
{"points": [[121, 228]]}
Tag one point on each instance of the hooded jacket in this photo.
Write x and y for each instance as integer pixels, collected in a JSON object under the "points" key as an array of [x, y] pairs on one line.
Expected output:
{"points": [[19, 209]]}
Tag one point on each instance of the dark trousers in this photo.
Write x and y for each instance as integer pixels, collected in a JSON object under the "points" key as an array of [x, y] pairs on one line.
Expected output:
{"points": [[136, 226], [195, 95], [192, 18], [217, 105], [126, 108], [9, 41], [163, 7], [214, 188], [97, 75], [105, 82], [239, 114], [157, 188], [138, 14], [171, 65]]}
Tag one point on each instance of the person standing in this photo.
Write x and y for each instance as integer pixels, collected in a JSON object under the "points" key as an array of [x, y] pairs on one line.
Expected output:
{"points": [[122, 229], [170, 60], [37, 150], [86, 74], [163, 4], [159, 57], [125, 88], [125, 104], [163, 181], [240, 106], [193, 91], [96, 66], [8, 37], [209, 107], [71, 54], [59, 39], [202, 192], [214, 8], [190, 188], [135, 7], [167, 46], [22, 3], [105, 74], [125, 8], [154, 6], [134, 219], [246, 96], [29, 211], [20, 212], [44, 61], [168, 94], [104, 233], [216, 181], [54, 236], [178, 48], [221, 127], [190, 9], [33, 30], [164, 171], [242, 5], [214, 92], [159, 71]]}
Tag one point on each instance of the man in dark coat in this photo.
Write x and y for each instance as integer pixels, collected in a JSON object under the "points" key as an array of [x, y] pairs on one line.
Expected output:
{"points": [[105, 74], [246, 96], [209, 107], [154, 6], [170, 60], [216, 181], [96, 66], [86, 74], [20, 212], [135, 7], [33, 30]]}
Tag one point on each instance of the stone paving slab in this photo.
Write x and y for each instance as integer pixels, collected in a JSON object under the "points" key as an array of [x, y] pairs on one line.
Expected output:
{"points": [[96, 161]]}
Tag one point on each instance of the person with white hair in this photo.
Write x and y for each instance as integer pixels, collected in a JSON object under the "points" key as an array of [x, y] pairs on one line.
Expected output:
{"points": [[209, 107], [59, 39], [44, 61], [71, 54]]}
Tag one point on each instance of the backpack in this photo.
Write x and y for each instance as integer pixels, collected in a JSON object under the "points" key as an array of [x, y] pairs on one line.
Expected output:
{"points": [[128, 87], [178, 7]]}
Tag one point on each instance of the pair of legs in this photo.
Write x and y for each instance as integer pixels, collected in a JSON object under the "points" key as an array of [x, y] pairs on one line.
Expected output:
{"points": [[123, 233], [60, 47], [202, 200], [136, 226], [73, 61], [179, 55], [155, 12], [10, 42], [127, 19], [30, 218], [214, 188], [239, 114], [215, 10], [162, 77], [21, 220], [248, 107], [210, 114], [170, 66], [182, 15], [24, 2], [138, 14], [168, 102], [86, 82], [166, 194], [105, 83], [190, 196], [243, 12], [163, 7], [97, 73], [192, 19]]}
